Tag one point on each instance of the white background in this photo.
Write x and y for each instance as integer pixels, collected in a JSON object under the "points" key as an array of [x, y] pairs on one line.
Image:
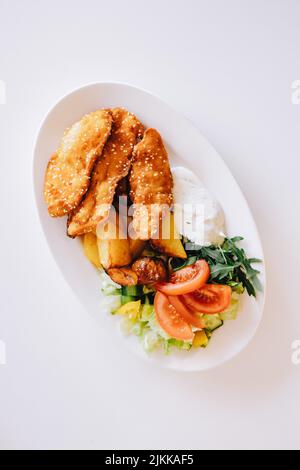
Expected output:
{"points": [[228, 66]]}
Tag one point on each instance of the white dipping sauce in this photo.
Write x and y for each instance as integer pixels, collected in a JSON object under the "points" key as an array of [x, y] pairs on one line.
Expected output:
{"points": [[202, 220]]}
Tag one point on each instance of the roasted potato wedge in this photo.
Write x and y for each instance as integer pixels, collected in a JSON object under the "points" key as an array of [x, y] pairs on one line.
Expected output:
{"points": [[115, 248], [136, 247], [90, 249], [114, 253], [113, 244], [168, 240]]}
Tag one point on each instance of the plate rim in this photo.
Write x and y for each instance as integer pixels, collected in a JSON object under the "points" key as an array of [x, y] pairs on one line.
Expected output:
{"points": [[208, 143]]}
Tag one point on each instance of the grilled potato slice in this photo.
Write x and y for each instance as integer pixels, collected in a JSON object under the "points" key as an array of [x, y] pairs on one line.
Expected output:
{"points": [[123, 276], [113, 244], [116, 248], [136, 247], [169, 241], [114, 253], [90, 249]]}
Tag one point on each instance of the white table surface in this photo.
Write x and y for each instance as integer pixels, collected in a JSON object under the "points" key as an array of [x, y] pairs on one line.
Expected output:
{"points": [[228, 66]]}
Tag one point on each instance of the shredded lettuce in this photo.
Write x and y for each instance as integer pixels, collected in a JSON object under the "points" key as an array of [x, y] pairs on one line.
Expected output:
{"points": [[232, 312], [112, 299], [152, 337], [146, 312], [110, 290], [108, 286], [176, 343], [236, 287]]}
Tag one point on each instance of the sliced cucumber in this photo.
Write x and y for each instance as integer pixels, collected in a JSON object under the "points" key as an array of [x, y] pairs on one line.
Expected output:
{"points": [[212, 322], [150, 298], [132, 291], [208, 334], [127, 298]]}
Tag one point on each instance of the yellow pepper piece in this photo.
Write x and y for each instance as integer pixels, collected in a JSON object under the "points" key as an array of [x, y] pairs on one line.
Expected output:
{"points": [[200, 339], [132, 309]]}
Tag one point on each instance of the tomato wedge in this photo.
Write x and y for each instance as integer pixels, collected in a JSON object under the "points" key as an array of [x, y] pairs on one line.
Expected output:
{"points": [[170, 320], [212, 298], [186, 280], [192, 318]]}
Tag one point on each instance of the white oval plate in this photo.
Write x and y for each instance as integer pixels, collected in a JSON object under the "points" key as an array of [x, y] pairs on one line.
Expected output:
{"points": [[187, 147]]}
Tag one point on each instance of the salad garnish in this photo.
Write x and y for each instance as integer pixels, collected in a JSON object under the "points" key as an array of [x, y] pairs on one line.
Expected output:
{"points": [[169, 315], [228, 263]]}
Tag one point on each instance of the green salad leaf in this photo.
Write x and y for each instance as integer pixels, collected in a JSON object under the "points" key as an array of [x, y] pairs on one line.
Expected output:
{"points": [[228, 263], [151, 335], [232, 311]]}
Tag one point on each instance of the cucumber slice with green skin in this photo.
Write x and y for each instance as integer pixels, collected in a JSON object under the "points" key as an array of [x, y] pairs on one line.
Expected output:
{"points": [[208, 334], [149, 299], [132, 291], [212, 322], [127, 298]]}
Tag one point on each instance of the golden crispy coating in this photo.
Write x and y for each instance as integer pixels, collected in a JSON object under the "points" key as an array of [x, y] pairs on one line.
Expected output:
{"points": [[122, 190], [111, 168], [68, 172], [151, 184]]}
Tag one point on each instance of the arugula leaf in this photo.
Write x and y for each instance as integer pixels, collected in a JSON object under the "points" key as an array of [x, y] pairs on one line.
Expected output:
{"points": [[254, 260], [228, 264], [220, 271]]}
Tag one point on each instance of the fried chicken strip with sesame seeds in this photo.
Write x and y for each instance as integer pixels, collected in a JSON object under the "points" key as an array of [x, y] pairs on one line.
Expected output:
{"points": [[151, 184], [68, 172], [112, 167]]}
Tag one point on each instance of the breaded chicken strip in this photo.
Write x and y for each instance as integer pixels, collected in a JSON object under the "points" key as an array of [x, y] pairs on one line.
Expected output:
{"points": [[68, 172], [151, 184], [112, 167]]}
